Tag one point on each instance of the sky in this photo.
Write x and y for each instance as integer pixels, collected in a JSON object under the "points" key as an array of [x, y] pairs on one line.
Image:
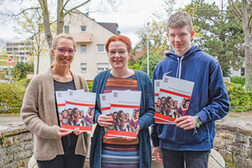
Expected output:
{"points": [[130, 16]]}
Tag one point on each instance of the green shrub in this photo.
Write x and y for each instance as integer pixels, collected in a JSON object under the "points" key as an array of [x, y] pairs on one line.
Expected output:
{"points": [[90, 84], [238, 80], [240, 100], [11, 97]]}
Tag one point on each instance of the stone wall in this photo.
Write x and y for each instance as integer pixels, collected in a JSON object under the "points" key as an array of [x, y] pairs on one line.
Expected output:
{"points": [[234, 142], [15, 146]]}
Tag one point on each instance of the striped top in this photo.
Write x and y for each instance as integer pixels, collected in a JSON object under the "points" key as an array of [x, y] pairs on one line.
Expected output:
{"points": [[114, 83], [120, 152]]}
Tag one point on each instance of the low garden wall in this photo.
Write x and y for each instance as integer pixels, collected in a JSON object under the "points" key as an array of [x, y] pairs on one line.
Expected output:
{"points": [[233, 141], [15, 146]]}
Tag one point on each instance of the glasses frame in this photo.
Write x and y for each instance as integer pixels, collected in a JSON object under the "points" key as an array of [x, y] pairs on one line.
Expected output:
{"points": [[64, 50]]}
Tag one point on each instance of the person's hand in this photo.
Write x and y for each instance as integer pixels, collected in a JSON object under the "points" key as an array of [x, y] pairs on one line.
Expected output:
{"points": [[63, 132], [157, 154], [105, 121], [77, 131], [137, 129], [186, 122]]}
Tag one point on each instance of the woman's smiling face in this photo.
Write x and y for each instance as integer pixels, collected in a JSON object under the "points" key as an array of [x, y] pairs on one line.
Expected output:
{"points": [[118, 54]]}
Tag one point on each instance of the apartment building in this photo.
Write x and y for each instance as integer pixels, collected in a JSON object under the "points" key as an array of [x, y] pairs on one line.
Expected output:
{"points": [[90, 37], [19, 51]]}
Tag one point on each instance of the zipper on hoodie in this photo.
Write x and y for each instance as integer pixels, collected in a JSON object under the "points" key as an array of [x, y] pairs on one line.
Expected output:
{"points": [[179, 67]]}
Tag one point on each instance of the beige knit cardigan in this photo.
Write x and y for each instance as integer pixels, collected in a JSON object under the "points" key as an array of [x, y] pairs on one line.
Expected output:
{"points": [[39, 115]]}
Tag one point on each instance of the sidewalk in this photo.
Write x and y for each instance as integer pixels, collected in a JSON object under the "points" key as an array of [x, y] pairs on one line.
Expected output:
{"points": [[8, 120]]}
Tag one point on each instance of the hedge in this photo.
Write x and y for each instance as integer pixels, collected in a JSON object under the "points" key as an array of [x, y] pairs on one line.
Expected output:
{"points": [[11, 96], [238, 80], [240, 100]]}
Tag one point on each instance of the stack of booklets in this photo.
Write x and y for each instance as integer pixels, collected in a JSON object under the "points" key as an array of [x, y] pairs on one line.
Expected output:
{"points": [[76, 109], [172, 99], [124, 107]]}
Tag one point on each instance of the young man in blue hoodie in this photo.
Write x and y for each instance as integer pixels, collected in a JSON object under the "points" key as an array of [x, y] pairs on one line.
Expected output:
{"points": [[189, 142]]}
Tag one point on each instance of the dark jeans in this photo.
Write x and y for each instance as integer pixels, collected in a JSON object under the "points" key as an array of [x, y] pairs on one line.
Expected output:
{"points": [[63, 161], [182, 159]]}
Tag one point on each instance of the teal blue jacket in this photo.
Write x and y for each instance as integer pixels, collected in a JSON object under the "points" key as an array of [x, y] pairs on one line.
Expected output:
{"points": [[145, 120]]}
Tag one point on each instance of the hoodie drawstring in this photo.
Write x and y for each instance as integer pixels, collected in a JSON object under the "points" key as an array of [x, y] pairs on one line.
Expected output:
{"points": [[179, 67]]}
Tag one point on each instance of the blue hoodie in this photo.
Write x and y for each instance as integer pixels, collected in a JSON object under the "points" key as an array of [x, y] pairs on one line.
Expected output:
{"points": [[209, 100]]}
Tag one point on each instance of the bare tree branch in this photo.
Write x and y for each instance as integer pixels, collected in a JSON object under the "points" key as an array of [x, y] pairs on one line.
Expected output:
{"points": [[235, 8], [65, 4], [76, 7], [236, 11]]}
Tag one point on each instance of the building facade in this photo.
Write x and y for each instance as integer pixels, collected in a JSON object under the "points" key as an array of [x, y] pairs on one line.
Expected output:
{"points": [[19, 51], [90, 37]]}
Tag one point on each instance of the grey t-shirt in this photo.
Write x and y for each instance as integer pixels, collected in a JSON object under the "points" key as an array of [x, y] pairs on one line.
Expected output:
{"points": [[68, 141]]}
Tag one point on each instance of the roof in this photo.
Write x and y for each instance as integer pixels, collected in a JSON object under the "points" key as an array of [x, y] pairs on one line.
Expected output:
{"points": [[110, 26]]}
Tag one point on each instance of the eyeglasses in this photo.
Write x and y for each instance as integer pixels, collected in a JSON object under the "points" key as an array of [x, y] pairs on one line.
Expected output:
{"points": [[63, 51]]}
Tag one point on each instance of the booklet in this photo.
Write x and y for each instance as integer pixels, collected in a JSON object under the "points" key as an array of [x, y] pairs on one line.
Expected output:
{"points": [[105, 103], [174, 99], [79, 107], [124, 108], [61, 105], [105, 99], [157, 85]]}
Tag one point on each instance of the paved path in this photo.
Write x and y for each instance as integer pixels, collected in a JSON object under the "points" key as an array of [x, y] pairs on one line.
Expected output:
{"points": [[7, 119]]}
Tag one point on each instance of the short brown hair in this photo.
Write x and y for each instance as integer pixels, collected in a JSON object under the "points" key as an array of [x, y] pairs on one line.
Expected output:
{"points": [[179, 20], [60, 36], [121, 38]]}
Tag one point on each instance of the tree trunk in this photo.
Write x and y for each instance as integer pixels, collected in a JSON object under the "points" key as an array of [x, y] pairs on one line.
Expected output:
{"points": [[60, 17], [248, 46], [48, 34], [37, 70]]}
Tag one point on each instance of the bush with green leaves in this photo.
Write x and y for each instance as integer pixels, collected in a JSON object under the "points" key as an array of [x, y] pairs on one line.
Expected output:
{"points": [[238, 80], [90, 85], [240, 100], [11, 97]]}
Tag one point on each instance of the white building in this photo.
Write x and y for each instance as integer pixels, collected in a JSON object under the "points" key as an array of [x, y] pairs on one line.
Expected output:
{"points": [[90, 37], [19, 51]]}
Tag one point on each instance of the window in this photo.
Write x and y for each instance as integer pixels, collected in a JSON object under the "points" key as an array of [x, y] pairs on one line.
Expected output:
{"points": [[83, 28], [83, 48], [83, 67], [242, 71], [102, 66], [66, 29], [100, 48]]}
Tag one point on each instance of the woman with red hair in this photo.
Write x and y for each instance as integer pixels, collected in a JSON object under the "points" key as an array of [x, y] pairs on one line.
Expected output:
{"points": [[121, 152]]}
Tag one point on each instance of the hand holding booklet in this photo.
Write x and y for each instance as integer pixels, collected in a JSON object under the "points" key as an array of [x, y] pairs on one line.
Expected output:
{"points": [[76, 109], [124, 108], [172, 99]]}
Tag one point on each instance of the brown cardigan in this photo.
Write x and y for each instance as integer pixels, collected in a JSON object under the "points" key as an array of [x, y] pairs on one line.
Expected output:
{"points": [[39, 115]]}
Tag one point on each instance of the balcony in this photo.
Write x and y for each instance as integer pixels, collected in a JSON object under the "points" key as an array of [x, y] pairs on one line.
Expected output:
{"points": [[82, 37]]}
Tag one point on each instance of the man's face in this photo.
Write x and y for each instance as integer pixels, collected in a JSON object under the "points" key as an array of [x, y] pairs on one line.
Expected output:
{"points": [[180, 39]]}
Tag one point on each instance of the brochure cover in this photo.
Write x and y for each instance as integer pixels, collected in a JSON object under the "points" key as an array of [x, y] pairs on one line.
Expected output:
{"points": [[61, 105], [105, 99], [80, 108], [157, 85], [125, 108], [105, 103], [174, 99]]}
